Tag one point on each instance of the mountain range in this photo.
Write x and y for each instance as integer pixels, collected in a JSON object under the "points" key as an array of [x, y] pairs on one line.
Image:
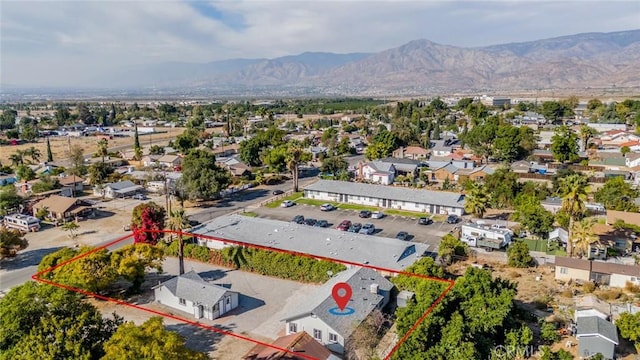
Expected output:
{"points": [[589, 60]]}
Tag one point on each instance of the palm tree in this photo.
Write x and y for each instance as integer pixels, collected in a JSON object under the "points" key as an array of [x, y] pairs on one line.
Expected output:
{"points": [[582, 236], [177, 222], [476, 200], [236, 256], [17, 158], [103, 151], [33, 153], [586, 133], [574, 187], [295, 155]]}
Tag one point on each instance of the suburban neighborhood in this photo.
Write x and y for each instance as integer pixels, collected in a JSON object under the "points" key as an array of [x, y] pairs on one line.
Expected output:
{"points": [[517, 218]]}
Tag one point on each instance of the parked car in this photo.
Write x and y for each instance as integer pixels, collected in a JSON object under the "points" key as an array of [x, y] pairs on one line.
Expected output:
{"points": [[140, 197], [344, 225], [298, 219], [367, 229], [355, 227], [425, 221], [377, 214], [287, 203], [327, 207], [321, 223], [365, 214], [452, 219], [277, 192], [402, 235], [310, 221]]}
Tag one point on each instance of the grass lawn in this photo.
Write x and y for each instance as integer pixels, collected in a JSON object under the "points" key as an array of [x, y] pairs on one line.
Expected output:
{"points": [[249, 214], [536, 245], [295, 196]]}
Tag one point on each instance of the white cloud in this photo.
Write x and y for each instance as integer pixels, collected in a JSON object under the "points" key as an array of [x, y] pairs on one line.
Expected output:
{"points": [[53, 42]]}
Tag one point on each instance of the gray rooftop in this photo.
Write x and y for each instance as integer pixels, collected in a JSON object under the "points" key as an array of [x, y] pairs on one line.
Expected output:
{"points": [[419, 196], [380, 166], [592, 325], [362, 300], [377, 251], [121, 185], [192, 287]]}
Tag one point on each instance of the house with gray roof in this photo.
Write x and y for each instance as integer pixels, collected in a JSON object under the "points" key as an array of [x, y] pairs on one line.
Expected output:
{"points": [[403, 166], [390, 197], [191, 294], [119, 189], [596, 336], [330, 243], [377, 172], [321, 318]]}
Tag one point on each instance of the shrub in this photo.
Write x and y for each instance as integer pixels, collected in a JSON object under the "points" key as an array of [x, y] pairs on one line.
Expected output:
{"points": [[588, 287], [518, 254], [632, 288], [609, 294], [548, 332]]}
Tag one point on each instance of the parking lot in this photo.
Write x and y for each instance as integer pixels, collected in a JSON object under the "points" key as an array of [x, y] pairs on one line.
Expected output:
{"points": [[388, 226]]}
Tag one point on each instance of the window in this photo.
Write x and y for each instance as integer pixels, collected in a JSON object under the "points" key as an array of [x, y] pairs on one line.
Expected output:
{"points": [[293, 327], [183, 301], [564, 270], [317, 334], [333, 338]]}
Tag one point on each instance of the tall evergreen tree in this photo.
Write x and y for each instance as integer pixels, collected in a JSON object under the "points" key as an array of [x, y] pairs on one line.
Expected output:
{"points": [[49, 154], [136, 145]]}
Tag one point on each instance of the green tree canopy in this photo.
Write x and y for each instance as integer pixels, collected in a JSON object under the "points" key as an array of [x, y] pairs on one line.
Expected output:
{"points": [[564, 145], [518, 255], [533, 216], [202, 178], [149, 341], [617, 194], [629, 326], [32, 315], [11, 241]]}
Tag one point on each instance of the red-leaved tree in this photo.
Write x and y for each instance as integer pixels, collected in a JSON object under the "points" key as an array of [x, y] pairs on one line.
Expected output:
{"points": [[147, 216]]}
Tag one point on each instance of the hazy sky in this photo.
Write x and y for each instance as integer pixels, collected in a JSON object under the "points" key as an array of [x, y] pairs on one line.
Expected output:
{"points": [[63, 42]]}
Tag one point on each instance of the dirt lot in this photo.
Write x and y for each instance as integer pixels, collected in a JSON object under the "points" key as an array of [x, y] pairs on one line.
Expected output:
{"points": [[60, 144]]}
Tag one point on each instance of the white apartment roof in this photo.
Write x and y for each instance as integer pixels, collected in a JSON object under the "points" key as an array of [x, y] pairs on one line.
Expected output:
{"points": [[377, 251]]}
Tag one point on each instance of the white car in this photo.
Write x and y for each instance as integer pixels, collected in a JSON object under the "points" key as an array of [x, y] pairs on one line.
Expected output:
{"points": [[287, 203], [377, 215], [327, 207]]}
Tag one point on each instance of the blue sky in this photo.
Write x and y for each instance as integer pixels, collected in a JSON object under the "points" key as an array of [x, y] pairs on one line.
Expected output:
{"points": [[64, 42]]}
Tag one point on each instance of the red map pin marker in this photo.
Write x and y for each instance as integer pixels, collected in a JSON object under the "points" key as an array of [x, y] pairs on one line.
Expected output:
{"points": [[341, 294]]}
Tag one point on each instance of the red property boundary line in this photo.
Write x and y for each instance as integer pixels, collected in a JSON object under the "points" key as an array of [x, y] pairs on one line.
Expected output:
{"points": [[38, 277]]}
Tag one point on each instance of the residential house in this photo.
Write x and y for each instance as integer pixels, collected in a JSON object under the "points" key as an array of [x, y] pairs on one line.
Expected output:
{"points": [[370, 291], [8, 179], [604, 272], [75, 183], [377, 172], [554, 204], [406, 167], [170, 161], [632, 160], [411, 152], [191, 294], [119, 189], [298, 344], [357, 143], [589, 305], [476, 174], [560, 235], [150, 160], [62, 208], [226, 150], [317, 151], [442, 147], [521, 167], [603, 127], [391, 197], [633, 145], [596, 336]]}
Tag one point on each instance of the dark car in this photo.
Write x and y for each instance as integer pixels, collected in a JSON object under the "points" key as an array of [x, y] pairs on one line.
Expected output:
{"points": [[298, 219], [355, 227], [193, 222], [277, 192], [402, 235], [344, 225], [321, 223], [310, 221], [365, 214], [425, 221], [452, 219]]}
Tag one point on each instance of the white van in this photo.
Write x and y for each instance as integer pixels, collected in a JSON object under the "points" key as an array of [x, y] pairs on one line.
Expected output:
{"points": [[24, 223]]}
